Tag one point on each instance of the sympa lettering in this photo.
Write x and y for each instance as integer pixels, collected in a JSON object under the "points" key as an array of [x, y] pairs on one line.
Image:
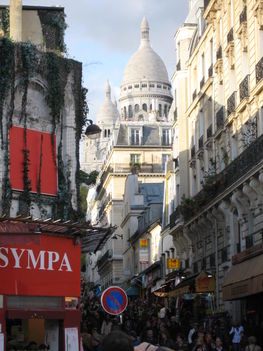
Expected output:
{"points": [[45, 260]]}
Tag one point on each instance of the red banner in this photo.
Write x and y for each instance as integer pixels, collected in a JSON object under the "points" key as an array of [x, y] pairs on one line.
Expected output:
{"points": [[38, 144], [50, 267]]}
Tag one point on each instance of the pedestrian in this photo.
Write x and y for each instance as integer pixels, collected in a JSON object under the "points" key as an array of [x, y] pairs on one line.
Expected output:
{"points": [[117, 341], [237, 332], [106, 325], [252, 344]]}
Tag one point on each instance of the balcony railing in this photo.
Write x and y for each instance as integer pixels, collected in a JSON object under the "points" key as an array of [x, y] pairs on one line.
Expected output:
{"points": [[201, 142], [210, 71], [254, 239], [194, 94], [249, 158], [209, 132], [230, 36], [202, 83], [219, 53], [220, 118], [104, 204], [244, 88], [259, 70], [178, 66], [224, 255], [231, 104], [193, 151], [243, 15], [105, 258], [174, 217]]}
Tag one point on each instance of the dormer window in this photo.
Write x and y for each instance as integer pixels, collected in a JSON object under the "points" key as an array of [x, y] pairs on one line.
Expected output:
{"points": [[135, 136], [166, 137]]}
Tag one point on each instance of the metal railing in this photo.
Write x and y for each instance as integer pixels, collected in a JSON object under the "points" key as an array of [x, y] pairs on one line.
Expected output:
{"points": [[259, 70], [244, 88], [231, 103], [107, 256], [175, 216], [194, 94]]}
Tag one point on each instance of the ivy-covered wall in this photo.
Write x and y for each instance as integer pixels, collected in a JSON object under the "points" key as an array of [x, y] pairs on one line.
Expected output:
{"points": [[21, 65]]}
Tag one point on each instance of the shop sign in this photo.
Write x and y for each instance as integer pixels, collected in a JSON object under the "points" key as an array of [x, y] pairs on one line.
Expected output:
{"points": [[49, 267], [203, 283], [143, 243], [144, 256], [173, 263]]}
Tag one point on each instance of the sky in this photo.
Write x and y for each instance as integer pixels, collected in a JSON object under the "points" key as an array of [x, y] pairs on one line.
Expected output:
{"points": [[103, 34]]}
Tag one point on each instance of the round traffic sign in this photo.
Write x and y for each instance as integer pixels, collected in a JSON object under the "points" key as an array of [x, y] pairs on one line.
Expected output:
{"points": [[114, 300]]}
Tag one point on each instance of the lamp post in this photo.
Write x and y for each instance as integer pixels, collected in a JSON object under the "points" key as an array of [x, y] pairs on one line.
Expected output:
{"points": [[92, 131]]}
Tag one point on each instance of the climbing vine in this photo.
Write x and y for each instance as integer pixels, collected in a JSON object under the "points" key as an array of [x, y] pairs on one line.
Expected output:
{"points": [[4, 21], [21, 62]]}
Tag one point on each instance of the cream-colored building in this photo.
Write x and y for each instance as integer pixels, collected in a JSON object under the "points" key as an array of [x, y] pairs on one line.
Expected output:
{"points": [[219, 223], [140, 142]]}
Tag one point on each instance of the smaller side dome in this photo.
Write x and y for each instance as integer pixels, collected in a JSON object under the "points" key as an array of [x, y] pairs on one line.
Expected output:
{"points": [[108, 112]]}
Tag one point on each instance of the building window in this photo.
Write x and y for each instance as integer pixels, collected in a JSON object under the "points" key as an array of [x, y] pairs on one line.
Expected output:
{"points": [[135, 158], [108, 132], [166, 137], [105, 133], [125, 112], [136, 108], [135, 137], [160, 110], [164, 160], [144, 107], [130, 111], [165, 110]]}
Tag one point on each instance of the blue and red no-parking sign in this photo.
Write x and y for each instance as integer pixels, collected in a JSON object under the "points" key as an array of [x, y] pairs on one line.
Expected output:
{"points": [[114, 300]]}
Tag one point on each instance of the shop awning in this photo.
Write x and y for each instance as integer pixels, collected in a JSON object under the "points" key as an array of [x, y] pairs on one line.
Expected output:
{"points": [[244, 279], [133, 291]]}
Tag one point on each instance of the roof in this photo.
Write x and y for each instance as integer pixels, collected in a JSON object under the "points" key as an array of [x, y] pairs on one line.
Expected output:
{"points": [[92, 238], [145, 64], [152, 192]]}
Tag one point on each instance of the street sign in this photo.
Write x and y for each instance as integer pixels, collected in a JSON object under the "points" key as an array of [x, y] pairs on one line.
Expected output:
{"points": [[114, 300]]}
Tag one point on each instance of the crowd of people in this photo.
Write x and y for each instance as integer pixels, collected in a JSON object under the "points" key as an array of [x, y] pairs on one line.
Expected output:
{"points": [[152, 326]]}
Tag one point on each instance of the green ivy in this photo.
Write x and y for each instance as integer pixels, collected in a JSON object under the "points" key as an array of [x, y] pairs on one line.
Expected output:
{"points": [[4, 21]]}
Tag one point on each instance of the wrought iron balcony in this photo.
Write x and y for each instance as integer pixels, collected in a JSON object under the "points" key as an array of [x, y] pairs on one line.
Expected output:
{"points": [[219, 53], [193, 151], [259, 70], [178, 66], [220, 118], [202, 83], [105, 258], [209, 132], [175, 216], [243, 15], [231, 104], [230, 36], [210, 71], [244, 88], [240, 166], [201, 142], [194, 94]]}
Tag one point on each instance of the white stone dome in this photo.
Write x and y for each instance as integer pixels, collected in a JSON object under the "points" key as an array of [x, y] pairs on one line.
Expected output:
{"points": [[145, 64], [108, 112]]}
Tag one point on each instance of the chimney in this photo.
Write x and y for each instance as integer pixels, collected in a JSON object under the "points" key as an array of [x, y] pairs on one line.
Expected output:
{"points": [[16, 20]]}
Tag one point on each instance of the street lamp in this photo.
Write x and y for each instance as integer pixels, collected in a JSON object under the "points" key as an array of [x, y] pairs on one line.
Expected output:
{"points": [[92, 131]]}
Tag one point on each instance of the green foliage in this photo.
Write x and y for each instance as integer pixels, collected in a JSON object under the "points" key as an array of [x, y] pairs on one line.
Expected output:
{"points": [[83, 199], [88, 178], [4, 21]]}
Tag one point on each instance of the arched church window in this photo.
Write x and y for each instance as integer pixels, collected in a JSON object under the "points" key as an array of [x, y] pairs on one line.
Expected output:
{"points": [[130, 111], [125, 112], [105, 133], [144, 107], [160, 110], [108, 132], [151, 107], [136, 108]]}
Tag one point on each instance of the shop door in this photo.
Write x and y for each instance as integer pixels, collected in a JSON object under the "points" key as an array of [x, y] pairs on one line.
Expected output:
{"points": [[52, 334]]}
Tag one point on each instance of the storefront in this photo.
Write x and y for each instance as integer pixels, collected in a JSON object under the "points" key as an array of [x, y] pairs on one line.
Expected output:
{"points": [[39, 290]]}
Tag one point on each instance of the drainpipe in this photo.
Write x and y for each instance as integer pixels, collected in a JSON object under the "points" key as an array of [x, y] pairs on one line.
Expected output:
{"points": [[15, 17]]}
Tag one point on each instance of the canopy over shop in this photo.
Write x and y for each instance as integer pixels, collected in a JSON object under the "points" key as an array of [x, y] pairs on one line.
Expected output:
{"points": [[40, 272]]}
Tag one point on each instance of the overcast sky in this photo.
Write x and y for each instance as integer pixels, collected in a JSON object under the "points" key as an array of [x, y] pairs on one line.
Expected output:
{"points": [[103, 34]]}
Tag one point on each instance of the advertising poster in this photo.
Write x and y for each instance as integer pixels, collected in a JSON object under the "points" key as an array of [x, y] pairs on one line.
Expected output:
{"points": [[71, 339]]}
